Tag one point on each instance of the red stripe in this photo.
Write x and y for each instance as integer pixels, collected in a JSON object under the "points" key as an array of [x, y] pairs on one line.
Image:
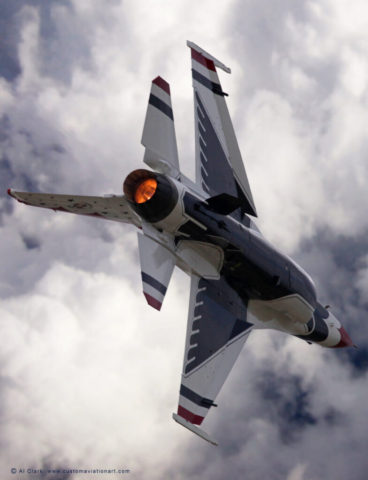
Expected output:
{"points": [[345, 341], [191, 417], [90, 214], [60, 209], [198, 57], [160, 82], [153, 302]]}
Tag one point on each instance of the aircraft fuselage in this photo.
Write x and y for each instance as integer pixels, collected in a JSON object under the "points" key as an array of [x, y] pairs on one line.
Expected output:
{"points": [[262, 275], [267, 280]]}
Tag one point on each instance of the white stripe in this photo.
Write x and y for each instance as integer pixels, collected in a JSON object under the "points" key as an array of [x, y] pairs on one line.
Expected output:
{"points": [[203, 155], [199, 108], [189, 361], [205, 184], [196, 222], [161, 94], [153, 292], [204, 170], [201, 124], [193, 407], [200, 136]]}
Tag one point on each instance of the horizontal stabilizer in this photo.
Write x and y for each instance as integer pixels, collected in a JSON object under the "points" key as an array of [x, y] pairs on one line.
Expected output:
{"points": [[224, 204], [109, 207], [157, 265], [194, 429], [159, 131]]}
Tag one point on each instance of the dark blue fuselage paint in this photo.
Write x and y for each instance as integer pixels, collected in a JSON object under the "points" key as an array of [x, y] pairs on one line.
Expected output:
{"points": [[252, 267]]}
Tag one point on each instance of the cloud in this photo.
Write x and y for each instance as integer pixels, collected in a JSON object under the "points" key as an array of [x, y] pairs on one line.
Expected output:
{"points": [[90, 374], [62, 39], [297, 473], [304, 100]]}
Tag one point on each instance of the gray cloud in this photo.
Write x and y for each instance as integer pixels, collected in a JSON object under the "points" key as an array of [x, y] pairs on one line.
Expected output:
{"points": [[31, 242], [63, 37], [337, 262], [10, 66], [289, 402]]}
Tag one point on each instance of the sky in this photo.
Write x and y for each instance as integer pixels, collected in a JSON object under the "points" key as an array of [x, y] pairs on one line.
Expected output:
{"points": [[89, 373]]}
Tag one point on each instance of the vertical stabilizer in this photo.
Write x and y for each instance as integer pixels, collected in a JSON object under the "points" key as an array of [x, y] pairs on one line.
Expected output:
{"points": [[159, 131], [219, 165]]}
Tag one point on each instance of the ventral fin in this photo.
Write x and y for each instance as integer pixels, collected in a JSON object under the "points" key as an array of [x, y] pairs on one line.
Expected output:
{"points": [[157, 265]]}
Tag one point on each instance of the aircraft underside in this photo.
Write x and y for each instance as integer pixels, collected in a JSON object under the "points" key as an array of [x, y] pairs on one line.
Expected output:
{"points": [[239, 281]]}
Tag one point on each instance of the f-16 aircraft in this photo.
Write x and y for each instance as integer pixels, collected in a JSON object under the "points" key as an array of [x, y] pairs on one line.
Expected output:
{"points": [[239, 281]]}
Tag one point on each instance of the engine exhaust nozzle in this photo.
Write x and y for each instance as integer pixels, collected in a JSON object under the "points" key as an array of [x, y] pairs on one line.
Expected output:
{"points": [[152, 195]]}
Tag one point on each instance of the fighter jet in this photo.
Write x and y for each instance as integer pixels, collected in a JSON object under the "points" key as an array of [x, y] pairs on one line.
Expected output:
{"points": [[239, 281]]}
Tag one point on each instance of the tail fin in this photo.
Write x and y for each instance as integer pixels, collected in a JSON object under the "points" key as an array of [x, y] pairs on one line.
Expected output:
{"points": [[219, 165], [159, 131]]}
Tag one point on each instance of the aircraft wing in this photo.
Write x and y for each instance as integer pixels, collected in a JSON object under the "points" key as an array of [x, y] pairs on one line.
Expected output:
{"points": [[112, 207], [219, 165], [216, 332]]}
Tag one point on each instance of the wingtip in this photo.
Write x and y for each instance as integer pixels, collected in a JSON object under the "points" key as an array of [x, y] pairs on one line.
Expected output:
{"points": [[200, 50], [152, 302], [10, 192], [160, 82], [193, 428]]}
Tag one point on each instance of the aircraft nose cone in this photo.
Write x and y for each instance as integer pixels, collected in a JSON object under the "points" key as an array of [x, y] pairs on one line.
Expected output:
{"points": [[345, 341]]}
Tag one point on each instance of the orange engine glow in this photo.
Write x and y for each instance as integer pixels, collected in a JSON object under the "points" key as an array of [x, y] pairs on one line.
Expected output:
{"points": [[145, 190]]}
